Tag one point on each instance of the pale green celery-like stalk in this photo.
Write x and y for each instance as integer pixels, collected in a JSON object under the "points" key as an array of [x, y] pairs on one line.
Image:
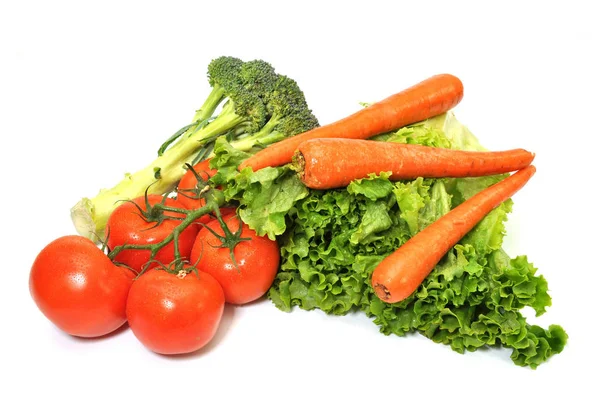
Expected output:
{"points": [[90, 215]]}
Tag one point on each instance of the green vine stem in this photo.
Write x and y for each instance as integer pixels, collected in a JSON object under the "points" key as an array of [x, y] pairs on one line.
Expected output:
{"points": [[229, 240], [214, 200]]}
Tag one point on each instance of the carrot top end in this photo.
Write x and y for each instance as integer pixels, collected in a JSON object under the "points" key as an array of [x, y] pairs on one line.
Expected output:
{"points": [[298, 163]]}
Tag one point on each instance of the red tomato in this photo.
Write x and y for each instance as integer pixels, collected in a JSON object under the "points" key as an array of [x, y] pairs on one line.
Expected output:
{"points": [[257, 261], [126, 225], [175, 315], [78, 288], [188, 184]]}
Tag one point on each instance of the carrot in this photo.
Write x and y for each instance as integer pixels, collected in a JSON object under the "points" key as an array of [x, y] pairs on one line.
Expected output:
{"points": [[401, 273], [429, 98], [326, 163]]}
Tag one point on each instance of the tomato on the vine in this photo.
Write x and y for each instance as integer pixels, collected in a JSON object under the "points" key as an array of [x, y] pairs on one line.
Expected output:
{"points": [[77, 287], [256, 260], [187, 191], [127, 225], [175, 314]]}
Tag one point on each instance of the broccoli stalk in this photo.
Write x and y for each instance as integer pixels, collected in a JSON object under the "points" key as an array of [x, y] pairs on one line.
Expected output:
{"points": [[256, 112], [224, 78]]}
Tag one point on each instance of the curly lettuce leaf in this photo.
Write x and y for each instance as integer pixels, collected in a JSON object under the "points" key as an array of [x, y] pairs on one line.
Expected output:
{"points": [[268, 195], [265, 196], [373, 187], [226, 161]]}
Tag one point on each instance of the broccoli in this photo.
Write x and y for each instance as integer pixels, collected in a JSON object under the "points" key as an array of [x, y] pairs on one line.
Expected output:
{"points": [[288, 115], [258, 107], [223, 77], [259, 77]]}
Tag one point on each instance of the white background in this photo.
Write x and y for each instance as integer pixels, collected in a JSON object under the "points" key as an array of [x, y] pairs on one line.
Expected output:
{"points": [[89, 90]]}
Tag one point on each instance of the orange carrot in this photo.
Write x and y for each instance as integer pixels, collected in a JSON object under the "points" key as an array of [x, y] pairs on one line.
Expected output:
{"points": [[326, 163], [401, 273], [429, 98]]}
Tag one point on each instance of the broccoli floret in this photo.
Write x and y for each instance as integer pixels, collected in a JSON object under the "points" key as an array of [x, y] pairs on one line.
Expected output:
{"points": [[243, 113], [288, 115], [259, 107], [224, 72], [258, 77], [224, 78]]}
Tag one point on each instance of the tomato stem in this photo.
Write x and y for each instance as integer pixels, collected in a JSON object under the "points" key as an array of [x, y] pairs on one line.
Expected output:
{"points": [[214, 199], [176, 246], [169, 208], [118, 264], [229, 240]]}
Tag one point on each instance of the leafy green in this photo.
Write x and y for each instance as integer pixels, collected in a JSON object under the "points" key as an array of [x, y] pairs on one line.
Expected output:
{"points": [[443, 131], [332, 240]]}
